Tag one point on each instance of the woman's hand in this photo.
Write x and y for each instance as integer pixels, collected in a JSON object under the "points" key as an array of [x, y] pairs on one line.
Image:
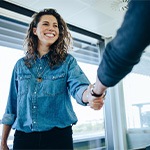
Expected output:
{"points": [[4, 147]]}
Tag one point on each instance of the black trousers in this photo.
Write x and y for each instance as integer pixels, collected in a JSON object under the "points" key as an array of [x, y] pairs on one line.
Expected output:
{"points": [[55, 139]]}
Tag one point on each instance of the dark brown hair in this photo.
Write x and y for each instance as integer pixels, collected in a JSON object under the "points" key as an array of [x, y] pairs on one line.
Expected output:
{"points": [[59, 49]]}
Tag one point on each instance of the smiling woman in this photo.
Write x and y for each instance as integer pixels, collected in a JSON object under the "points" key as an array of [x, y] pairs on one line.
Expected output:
{"points": [[39, 102]]}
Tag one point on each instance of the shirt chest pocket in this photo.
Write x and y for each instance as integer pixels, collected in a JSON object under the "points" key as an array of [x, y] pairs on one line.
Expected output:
{"points": [[23, 83], [54, 84]]}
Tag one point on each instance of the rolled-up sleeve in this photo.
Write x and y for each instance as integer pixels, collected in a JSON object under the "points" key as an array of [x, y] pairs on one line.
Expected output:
{"points": [[8, 119]]}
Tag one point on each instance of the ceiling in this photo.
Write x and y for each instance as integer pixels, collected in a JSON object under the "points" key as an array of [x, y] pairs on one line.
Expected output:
{"points": [[102, 17]]}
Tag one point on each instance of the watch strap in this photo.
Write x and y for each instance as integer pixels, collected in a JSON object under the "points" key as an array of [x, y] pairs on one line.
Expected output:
{"points": [[95, 94]]}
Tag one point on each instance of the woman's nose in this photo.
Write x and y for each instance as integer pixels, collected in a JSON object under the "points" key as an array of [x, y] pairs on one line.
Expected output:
{"points": [[51, 28]]}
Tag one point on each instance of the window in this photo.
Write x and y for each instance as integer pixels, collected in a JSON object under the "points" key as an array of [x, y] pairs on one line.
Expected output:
{"points": [[90, 125], [136, 87], [8, 59], [137, 99]]}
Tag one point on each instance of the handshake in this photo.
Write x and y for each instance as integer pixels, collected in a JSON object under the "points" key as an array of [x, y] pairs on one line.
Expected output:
{"points": [[92, 99]]}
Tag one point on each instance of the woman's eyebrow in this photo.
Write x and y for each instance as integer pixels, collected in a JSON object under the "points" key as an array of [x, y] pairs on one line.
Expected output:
{"points": [[48, 22]]}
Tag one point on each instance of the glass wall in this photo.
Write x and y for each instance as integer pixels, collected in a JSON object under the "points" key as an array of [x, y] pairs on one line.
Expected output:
{"points": [[137, 100], [136, 87], [8, 59], [89, 130]]}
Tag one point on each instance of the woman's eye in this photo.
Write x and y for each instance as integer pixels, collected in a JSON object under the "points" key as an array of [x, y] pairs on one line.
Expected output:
{"points": [[45, 24], [55, 26]]}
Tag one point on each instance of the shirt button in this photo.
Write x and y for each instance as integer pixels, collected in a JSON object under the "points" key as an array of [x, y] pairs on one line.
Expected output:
{"points": [[34, 122], [34, 92], [34, 106], [40, 67]]}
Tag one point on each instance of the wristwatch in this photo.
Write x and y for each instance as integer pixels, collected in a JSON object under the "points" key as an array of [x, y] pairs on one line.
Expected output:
{"points": [[97, 95], [94, 94]]}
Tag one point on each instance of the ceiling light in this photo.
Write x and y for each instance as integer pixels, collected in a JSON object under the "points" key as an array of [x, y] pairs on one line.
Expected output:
{"points": [[120, 5]]}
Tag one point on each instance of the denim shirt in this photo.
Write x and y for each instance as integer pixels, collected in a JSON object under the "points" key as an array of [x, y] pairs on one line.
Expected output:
{"points": [[40, 106]]}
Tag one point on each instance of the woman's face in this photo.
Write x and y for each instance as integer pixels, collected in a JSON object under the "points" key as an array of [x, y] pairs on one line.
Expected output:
{"points": [[47, 30]]}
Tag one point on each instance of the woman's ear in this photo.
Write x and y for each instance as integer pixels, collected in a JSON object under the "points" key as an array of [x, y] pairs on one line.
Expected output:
{"points": [[34, 31]]}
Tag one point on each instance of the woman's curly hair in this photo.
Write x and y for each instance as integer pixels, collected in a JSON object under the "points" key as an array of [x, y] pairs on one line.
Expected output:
{"points": [[58, 50]]}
